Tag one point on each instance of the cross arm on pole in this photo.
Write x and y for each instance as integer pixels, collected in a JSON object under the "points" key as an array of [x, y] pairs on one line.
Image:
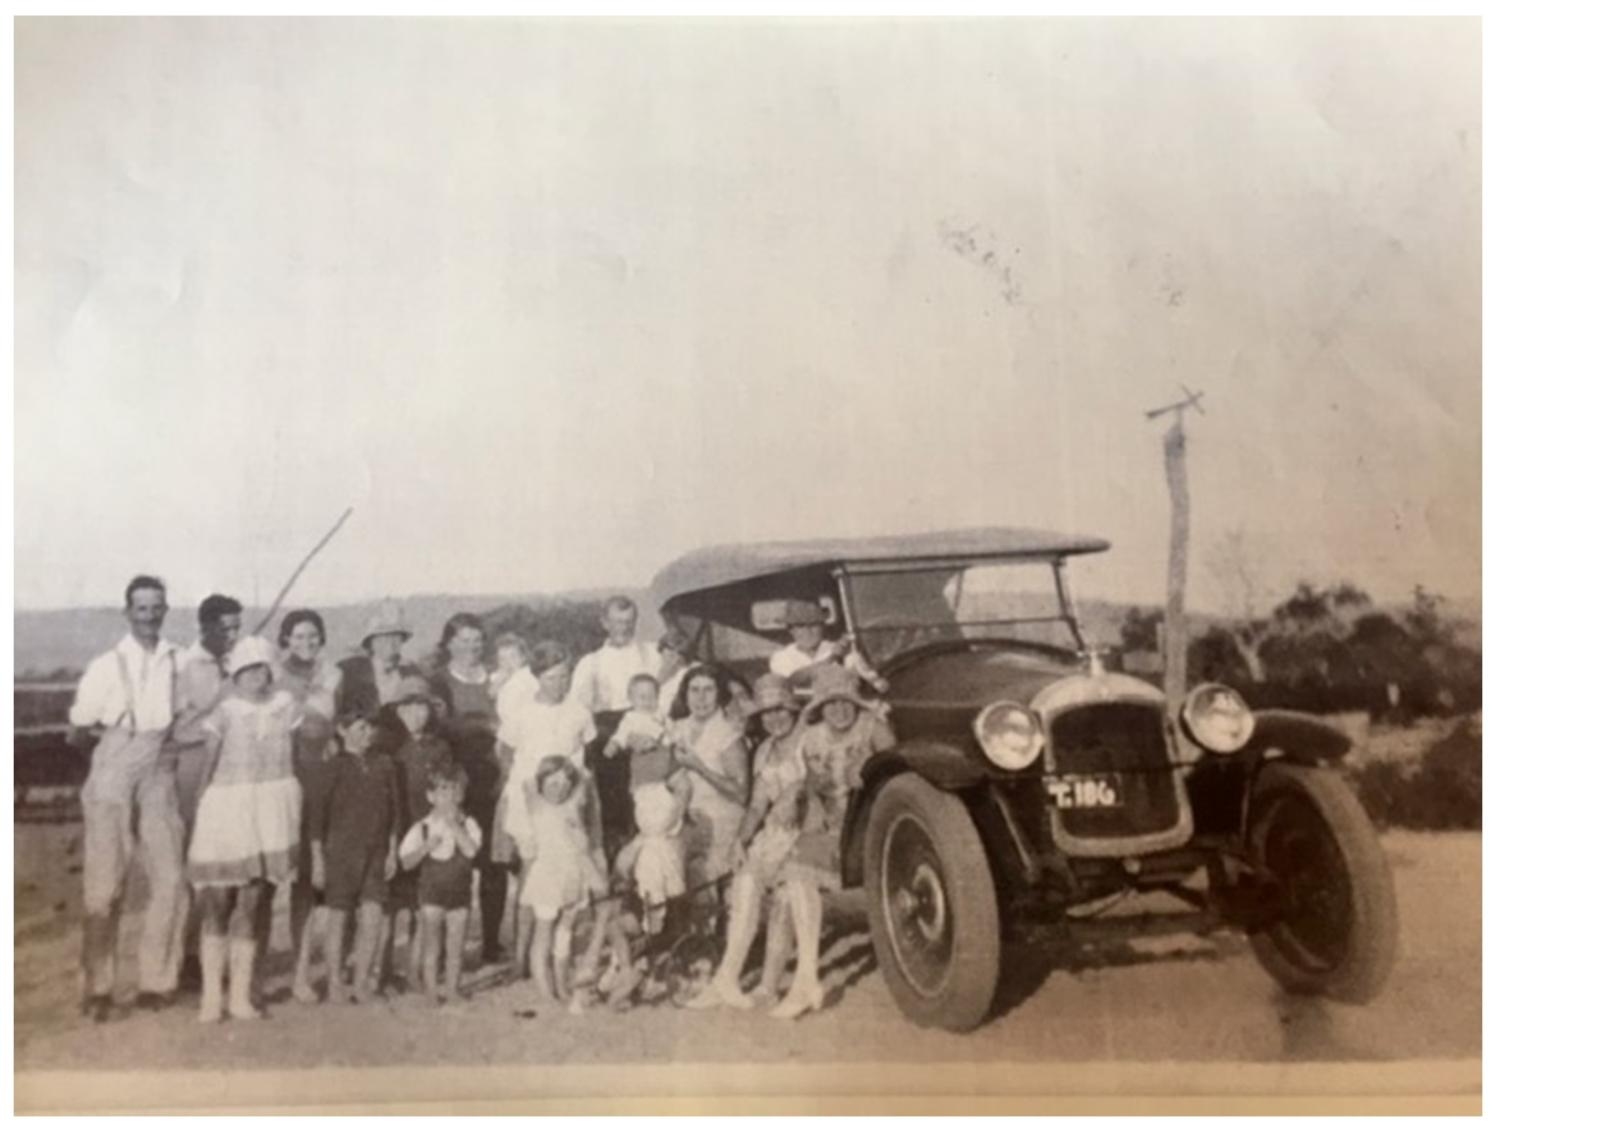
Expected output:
{"points": [[1191, 399]]}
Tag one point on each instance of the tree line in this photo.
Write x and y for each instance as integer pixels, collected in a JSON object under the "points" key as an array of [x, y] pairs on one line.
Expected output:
{"points": [[1331, 648]]}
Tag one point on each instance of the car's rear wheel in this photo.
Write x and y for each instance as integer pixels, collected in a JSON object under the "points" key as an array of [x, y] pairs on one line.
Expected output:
{"points": [[931, 904], [1334, 925]]}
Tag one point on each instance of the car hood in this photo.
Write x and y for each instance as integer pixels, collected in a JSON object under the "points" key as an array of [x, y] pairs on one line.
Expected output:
{"points": [[973, 679], [976, 677], [1103, 687]]}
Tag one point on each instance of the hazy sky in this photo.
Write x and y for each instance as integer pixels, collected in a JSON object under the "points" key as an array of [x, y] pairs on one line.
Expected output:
{"points": [[550, 303]]}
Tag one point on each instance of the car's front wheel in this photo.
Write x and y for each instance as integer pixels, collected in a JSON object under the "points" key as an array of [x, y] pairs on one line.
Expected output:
{"points": [[931, 903], [1334, 924]]}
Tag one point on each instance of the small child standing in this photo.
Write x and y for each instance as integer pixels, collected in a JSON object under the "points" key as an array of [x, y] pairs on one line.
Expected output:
{"points": [[660, 790], [439, 849], [353, 818], [560, 870], [246, 826], [418, 712]]}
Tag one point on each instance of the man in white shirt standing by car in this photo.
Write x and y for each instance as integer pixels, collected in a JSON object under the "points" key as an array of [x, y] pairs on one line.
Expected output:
{"points": [[130, 802], [600, 683]]}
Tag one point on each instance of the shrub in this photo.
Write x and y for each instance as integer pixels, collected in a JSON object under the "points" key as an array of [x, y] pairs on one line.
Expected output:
{"points": [[1453, 771], [1442, 791], [574, 623]]}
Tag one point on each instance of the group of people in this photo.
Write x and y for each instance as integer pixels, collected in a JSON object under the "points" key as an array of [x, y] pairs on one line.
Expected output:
{"points": [[386, 795]]}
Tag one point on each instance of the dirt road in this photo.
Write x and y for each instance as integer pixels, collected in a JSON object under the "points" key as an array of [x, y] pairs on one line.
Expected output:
{"points": [[1181, 998]]}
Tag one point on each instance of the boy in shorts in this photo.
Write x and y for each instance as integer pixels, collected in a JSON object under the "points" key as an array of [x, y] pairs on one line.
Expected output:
{"points": [[353, 815], [440, 848]]}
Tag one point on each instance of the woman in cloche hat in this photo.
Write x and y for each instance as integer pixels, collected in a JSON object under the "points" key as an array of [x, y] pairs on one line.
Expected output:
{"points": [[845, 731], [766, 838]]}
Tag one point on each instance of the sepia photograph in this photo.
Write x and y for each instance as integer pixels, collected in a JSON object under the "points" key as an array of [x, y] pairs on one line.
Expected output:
{"points": [[747, 565]]}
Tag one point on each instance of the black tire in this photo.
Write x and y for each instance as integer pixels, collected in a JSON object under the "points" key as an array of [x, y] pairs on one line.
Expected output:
{"points": [[1336, 927], [931, 905]]}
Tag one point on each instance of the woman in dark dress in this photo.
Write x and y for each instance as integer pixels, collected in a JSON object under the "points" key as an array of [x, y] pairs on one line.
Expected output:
{"points": [[462, 681]]}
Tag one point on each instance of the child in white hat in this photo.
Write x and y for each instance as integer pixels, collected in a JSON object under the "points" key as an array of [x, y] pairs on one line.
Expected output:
{"points": [[247, 825], [808, 649]]}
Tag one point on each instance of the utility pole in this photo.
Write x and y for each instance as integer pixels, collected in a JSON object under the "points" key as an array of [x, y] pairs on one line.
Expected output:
{"points": [[1176, 634]]}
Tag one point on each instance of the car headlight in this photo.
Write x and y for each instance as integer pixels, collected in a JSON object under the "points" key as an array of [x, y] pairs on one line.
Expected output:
{"points": [[1218, 718], [1010, 735]]}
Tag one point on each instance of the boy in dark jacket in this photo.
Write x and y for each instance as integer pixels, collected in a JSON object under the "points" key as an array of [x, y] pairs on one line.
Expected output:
{"points": [[353, 818]]}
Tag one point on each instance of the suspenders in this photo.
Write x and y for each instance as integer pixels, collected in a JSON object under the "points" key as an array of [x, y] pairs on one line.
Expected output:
{"points": [[130, 711]]}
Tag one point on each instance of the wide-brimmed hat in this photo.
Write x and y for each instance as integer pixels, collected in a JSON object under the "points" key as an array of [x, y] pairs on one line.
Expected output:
{"points": [[833, 682], [389, 620], [773, 693], [796, 613], [247, 653]]}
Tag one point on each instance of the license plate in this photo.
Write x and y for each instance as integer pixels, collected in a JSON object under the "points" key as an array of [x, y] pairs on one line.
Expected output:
{"points": [[1085, 791]]}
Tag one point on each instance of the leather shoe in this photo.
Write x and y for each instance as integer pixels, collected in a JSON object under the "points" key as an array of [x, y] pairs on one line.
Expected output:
{"points": [[98, 1008]]}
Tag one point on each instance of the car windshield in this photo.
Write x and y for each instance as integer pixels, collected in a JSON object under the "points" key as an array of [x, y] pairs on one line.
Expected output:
{"points": [[896, 609]]}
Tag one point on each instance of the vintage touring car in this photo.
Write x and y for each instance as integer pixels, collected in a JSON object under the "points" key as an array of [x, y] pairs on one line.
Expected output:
{"points": [[1030, 787]]}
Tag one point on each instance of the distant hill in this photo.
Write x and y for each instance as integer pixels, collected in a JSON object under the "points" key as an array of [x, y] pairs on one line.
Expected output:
{"points": [[64, 640]]}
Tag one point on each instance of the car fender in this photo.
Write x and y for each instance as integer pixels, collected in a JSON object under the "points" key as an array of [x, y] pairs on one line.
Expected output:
{"points": [[943, 765], [1294, 737], [1220, 785]]}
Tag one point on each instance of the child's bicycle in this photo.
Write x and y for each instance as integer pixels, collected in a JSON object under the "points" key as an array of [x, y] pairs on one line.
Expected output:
{"points": [[673, 963]]}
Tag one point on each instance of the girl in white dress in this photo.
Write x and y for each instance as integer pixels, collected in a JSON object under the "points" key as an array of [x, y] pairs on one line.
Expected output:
{"points": [[562, 872], [246, 827], [547, 723]]}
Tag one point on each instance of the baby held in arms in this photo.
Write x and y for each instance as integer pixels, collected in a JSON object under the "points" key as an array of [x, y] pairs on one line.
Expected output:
{"points": [[660, 790]]}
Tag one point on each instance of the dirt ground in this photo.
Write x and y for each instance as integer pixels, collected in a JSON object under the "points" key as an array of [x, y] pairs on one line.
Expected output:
{"points": [[1179, 998]]}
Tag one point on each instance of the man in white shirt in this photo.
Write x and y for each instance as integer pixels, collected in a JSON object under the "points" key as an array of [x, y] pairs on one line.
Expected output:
{"points": [[130, 802], [600, 683], [202, 684]]}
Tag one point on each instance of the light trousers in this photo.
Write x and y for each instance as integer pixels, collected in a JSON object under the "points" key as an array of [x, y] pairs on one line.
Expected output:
{"points": [[130, 812]]}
